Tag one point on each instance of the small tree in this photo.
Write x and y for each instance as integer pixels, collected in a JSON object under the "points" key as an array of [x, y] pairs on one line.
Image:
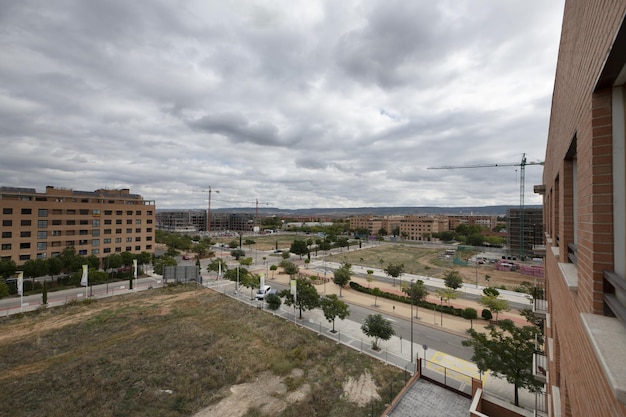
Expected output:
{"points": [[289, 267], [417, 293], [237, 253], [273, 268], [341, 276], [299, 247], [378, 327], [273, 301], [44, 294], [486, 314], [493, 303], [394, 271], [370, 277], [453, 279], [376, 292], [470, 314], [306, 298], [333, 307], [217, 265], [507, 351]]}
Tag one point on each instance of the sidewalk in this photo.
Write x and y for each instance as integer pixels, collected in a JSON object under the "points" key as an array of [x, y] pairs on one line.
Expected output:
{"points": [[396, 350]]}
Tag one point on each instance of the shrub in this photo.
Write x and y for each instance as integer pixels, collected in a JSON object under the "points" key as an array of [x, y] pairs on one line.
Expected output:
{"points": [[486, 314]]}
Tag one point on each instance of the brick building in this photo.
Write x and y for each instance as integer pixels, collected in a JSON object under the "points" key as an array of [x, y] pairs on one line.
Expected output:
{"points": [[584, 215], [40, 225]]}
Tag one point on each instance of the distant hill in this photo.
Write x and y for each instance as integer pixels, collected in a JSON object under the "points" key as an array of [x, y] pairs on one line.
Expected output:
{"points": [[376, 211]]}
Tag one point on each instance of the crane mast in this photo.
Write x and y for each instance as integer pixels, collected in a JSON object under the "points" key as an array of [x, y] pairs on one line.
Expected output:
{"points": [[522, 166]]}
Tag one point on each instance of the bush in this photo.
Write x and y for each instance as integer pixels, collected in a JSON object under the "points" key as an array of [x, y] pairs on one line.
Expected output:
{"points": [[486, 314]]}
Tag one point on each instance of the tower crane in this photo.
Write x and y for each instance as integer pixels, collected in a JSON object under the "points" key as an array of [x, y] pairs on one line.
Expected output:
{"points": [[522, 166]]}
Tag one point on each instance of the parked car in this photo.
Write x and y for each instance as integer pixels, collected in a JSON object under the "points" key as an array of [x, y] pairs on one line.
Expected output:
{"points": [[263, 292]]}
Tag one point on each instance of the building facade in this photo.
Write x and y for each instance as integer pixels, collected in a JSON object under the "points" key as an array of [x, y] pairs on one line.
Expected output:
{"points": [[525, 232], [41, 225], [583, 188]]}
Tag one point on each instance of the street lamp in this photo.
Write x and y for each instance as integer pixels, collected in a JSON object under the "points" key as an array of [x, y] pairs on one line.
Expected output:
{"points": [[441, 310], [411, 296]]}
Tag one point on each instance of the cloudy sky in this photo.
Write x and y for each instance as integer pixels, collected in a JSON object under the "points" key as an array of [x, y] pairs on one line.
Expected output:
{"points": [[294, 104]]}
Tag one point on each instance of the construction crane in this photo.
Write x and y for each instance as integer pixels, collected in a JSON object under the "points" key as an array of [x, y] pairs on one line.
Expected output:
{"points": [[208, 214], [522, 166]]}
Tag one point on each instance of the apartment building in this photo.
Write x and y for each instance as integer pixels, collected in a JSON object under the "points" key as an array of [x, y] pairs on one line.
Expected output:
{"points": [[421, 228], [525, 232], [41, 225], [584, 183]]}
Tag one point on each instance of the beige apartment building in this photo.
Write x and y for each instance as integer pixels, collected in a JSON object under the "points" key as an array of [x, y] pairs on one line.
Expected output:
{"points": [[41, 225]]}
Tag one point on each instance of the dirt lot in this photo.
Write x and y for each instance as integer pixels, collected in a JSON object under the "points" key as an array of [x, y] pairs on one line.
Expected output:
{"points": [[179, 352]]}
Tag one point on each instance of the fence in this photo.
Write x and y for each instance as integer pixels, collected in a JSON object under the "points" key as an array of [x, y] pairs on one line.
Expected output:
{"points": [[447, 377]]}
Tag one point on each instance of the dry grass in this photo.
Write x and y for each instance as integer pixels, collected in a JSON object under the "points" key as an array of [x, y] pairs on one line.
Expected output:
{"points": [[119, 357]]}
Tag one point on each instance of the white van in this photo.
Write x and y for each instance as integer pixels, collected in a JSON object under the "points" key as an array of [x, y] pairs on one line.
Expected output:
{"points": [[262, 292]]}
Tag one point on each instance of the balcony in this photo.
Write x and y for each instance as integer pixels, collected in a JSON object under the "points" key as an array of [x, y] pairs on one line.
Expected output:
{"points": [[540, 308], [540, 366]]}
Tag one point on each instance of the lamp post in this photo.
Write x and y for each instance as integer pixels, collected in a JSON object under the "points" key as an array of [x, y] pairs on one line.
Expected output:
{"points": [[324, 273], [411, 295], [441, 310]]}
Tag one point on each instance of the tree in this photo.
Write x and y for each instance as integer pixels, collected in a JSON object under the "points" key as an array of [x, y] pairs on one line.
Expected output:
{"points": [[54, 265], [333, 307], [453, 279], [273, 268], [4, 289], [417, 293], [378, 327], [394, 271], [382, 232], [299, 247], [7, 267], [289, 268], [306, 298], [341, 276], [507, 351], [44, 294], [273, 301], [237, 253], [217, 265], [493, 303], [159, 263], [376, 292], [470, 314], [246, 261], [491, 291], [249, 280], [370, 277], [446, 294]]}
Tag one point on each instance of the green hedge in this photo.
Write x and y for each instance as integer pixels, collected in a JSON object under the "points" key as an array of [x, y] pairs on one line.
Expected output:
{"points": [[404, 299]]}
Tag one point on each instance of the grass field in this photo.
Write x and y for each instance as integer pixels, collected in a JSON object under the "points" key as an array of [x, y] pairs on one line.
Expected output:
{"points": [[173, 352]]}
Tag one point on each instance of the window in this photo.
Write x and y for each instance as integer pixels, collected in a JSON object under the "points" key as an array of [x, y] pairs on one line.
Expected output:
{"points": [[149, 221], [70, 243], [42, 212], [95, 242], [71, 212], [107, 231], [71, 222], [95, 251], [149, 238], [83, 222], [70, 232], [7, 235], [83, 232], [118, 240], [149, 212], [24, 233], [108, 221], [129, 248], [138, 239], [7, 223], [108, 212], [95, 212], [27, 211], [25, 223], [57, 222], [106, 240], [129, 221], [82, 252], [95, 223], [129, 239], [137, 247], [7, 210], [41, 255], [149, 230], [107, 250], [118, 231], [148, 247], [117, 250], [57, 212], [138, 221], [6, 246], [42, 245], [42, 234], [129, 230], [83, 212], [118, 221], [138, 230], [25, 245], [95, 232], [118, 212], [82, 242], [56, 233], [42, 224], [138, 212], [24, 257], [129, 212]]}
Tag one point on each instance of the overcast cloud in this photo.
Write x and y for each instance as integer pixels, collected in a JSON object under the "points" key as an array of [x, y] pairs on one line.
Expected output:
{"points": [[293, 104]]}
